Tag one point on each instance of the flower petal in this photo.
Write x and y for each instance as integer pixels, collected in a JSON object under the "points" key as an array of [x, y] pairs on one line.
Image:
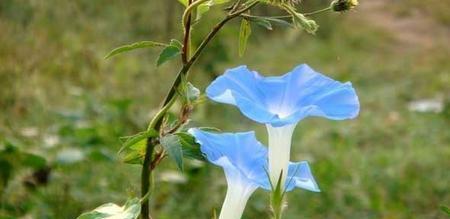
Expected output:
{"points": [[321, 95], [300, 176], [238, 86], [285, 99], [241, 156]]}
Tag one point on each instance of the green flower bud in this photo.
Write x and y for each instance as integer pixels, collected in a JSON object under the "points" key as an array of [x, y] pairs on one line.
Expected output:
{"points": [[302, 22], [343, 5]]}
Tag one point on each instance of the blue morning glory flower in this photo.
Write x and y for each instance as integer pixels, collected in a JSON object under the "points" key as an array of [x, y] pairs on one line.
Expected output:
{"points": [[244, 161], [286, 99], [281, 102]]}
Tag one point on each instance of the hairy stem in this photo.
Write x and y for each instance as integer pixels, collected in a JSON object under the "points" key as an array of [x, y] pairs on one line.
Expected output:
{"points": [[186, 39], [146, 179], [146, 174]]}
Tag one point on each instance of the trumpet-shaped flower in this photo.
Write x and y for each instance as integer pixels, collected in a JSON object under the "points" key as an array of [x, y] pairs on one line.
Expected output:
{"points": [[281, 102], [244, 161]]}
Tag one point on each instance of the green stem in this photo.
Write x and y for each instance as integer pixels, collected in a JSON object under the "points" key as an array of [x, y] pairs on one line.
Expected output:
{"points": [[235, 6], [277, 198], [186, 39], [277, 204], [189, 9], [147, 179], [146, 174], [288, 16], [317, 12], [159, 116], [289, 8]]}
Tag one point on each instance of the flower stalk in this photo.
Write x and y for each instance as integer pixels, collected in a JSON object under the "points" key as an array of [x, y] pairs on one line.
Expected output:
{"points": [[277, 202]]}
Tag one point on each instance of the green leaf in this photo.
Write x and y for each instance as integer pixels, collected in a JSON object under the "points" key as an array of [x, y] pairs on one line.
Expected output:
{"points": [[129, 141], [192, 93], [209, 3], [186, 138], [217, 2], [210, 129], [130, 210], [133, 148], [171, 51], [191, 149], [266, 22], [261, 22], [17, 157], [6, 172], [13, 158], [8, 147], [167, 54], [184, 2], [201, 9], [33, 160], [280, 22], [176, 43], [188, 91], [130, 47], [205, 7], [174, 148], [135, 155], [244, 34], [445, 209]]}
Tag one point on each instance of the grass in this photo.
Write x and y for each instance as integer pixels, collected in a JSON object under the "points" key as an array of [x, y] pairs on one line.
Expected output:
{"points": [[59, 96]]}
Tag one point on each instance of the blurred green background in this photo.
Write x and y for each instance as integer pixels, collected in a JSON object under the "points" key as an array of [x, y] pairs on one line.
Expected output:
{"points": [[60, 100]]}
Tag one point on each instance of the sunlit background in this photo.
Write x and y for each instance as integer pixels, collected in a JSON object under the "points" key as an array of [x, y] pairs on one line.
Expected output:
{"points": [[63, 107]]}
